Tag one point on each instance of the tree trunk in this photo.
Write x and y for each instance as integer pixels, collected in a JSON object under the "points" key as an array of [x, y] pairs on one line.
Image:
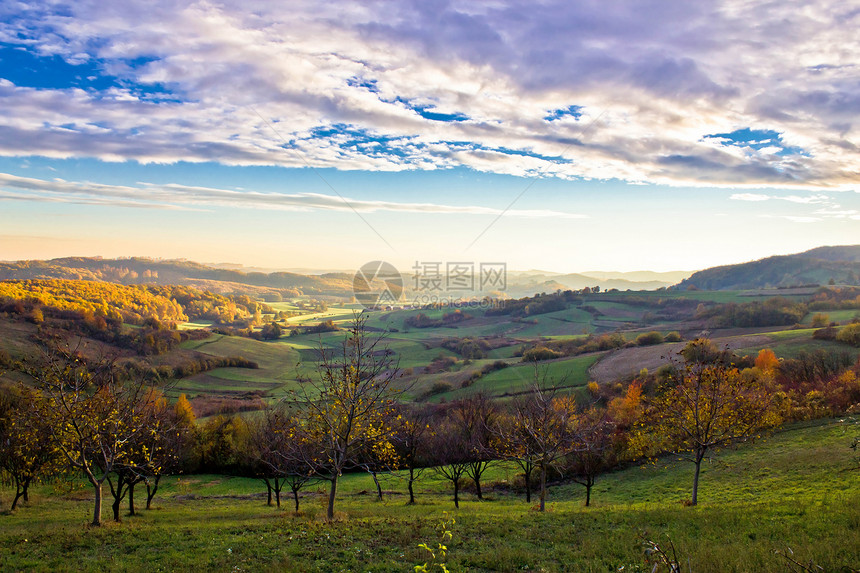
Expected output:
{"points": [[18, 494], [26, 490], [278, 486], [131, 497], [378, 487], [97, 509], [115, 508], [588, 483], [296, 498], [118, 495], [543, 487], [457, 493], [528, 475], [150, 491], [331, 495], [409, 486], [695, 499], [268, 491]]}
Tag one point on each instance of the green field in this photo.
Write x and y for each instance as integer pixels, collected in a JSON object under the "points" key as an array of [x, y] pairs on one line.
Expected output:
{"points": [[570, 372], [795, 490], [840, 316], [276, 375], [790, 343]]}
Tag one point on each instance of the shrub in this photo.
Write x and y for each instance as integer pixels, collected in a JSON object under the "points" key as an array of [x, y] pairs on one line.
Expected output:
{"points": [[673, 336], [850, 335], [438, 388], [497, 365], [539, 353], [649, 338], [820, 320], [826, 333]]}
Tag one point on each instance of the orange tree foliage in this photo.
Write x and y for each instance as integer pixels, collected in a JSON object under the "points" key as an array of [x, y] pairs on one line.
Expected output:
{"points": [[627, 410], [705, 406], [210, 306], [766, 361], [130, 304]]}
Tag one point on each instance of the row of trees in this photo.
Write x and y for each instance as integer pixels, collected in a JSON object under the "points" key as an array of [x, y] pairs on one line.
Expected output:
{"points": [[92, 419], [349, 418]]}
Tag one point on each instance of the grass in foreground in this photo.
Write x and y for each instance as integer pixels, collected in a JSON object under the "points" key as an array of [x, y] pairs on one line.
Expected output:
{"points": [[794, 490]]}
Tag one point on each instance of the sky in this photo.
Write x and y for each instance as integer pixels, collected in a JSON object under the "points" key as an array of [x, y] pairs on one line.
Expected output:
{"points": [[565, 136]]}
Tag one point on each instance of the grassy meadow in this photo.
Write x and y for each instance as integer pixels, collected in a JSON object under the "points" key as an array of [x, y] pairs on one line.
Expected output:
{"points": [[797, 490]]}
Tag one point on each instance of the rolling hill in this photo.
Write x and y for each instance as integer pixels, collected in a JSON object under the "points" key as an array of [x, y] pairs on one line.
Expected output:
{"points": [[139, 270], [818, 266]]}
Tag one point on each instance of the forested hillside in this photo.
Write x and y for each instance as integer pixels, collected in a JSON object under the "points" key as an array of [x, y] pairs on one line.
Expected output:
{"points": [[177, 272], [824, 265]]}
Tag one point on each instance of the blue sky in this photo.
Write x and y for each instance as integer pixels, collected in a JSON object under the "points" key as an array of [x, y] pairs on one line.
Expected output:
{"points": [[565, 136]]}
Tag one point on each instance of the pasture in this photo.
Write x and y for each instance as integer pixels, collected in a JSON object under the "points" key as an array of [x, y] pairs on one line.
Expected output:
{"points": [[796, 491]]}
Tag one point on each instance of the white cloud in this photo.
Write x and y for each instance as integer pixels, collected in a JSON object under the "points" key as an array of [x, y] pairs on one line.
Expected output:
{"points": [[750, 197], [794, 218], [653, 78], [174, 196], [804, 200]]}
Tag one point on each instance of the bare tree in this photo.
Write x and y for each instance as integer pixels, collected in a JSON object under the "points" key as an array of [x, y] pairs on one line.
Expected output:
{"points": [[93, 413], [594, 448], [542, 431], [476, 418], [349, 404], [450, 454], [412, 441], [281, 447], [26, 450]]}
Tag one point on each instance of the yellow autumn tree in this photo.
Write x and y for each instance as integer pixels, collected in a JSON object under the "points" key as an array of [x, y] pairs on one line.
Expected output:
{"points": [[705, 406]]}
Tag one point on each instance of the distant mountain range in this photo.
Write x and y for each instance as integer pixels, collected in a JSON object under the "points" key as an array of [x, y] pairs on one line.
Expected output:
{"points": [[819, 266], [530, 282], [234, 278], [839, 264], [138, 270]]}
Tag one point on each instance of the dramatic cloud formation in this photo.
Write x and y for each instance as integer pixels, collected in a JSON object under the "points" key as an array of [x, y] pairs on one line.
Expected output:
{"points": [[723, 93]]}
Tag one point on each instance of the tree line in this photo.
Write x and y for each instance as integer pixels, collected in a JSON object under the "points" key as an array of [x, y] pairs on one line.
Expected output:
{"points": [[93, 420]]}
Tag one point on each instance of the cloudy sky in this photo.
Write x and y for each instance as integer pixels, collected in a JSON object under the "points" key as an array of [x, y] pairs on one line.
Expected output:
{"points": [[566, 136]]}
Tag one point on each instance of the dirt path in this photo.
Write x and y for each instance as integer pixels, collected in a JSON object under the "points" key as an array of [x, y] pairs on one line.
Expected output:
{"points": [[625, 362]]}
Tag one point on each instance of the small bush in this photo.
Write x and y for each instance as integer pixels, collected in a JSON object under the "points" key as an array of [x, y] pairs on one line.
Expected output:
{"points": [[673, 336], [539, 353], [497, 365], [438, 388], [820, 320], [850, 335], [649, 338], [827, 333]]}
